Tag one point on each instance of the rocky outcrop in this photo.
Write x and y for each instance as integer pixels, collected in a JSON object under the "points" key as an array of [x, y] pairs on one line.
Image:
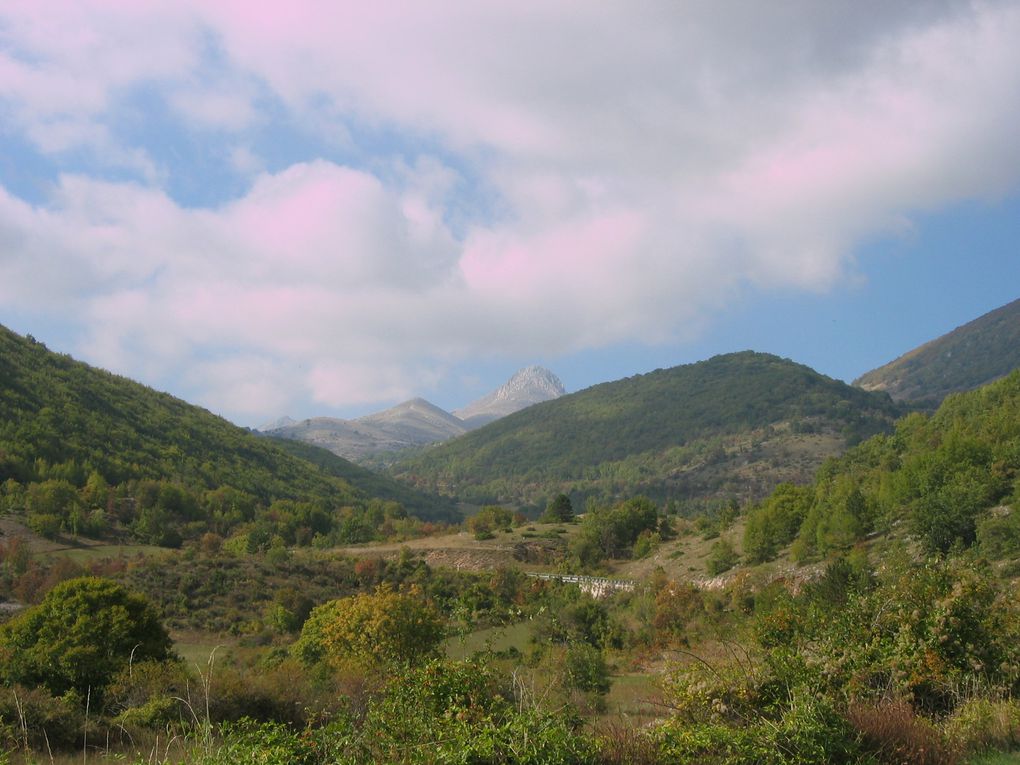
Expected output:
{"points": [[531, 385]]}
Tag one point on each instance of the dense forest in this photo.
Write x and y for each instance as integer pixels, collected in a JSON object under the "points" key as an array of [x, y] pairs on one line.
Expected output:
{"points": [[733, 425], [939, 475]]}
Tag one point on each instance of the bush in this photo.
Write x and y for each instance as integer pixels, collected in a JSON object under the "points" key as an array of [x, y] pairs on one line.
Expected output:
{"points": [[35, 717], [79, 637], [806, 731], [376, 629], [586, 669], [722, 557]]}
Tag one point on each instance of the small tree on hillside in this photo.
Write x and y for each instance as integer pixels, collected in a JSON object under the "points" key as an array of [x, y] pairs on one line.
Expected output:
{"points": [[490, 519], [559, 510]]}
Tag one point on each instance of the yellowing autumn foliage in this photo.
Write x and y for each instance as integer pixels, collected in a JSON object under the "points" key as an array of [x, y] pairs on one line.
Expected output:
{"points": [[378, 628]]}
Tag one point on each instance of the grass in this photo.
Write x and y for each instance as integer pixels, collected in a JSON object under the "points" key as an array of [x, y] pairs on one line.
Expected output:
{"points": [[491, 638], [196, 650], [104, 551], [996, 758], [634, 697]]}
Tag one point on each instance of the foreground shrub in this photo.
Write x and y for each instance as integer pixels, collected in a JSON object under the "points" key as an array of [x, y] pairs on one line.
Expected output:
{"points": [[33, 717], [807, 731], [80, 636]]}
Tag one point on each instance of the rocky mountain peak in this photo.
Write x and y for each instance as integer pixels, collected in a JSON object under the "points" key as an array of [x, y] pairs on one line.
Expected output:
{"points": [[531, 385]]}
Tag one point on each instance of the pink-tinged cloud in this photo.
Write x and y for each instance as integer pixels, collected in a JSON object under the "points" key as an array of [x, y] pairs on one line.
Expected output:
{"points": [[622, 171]]}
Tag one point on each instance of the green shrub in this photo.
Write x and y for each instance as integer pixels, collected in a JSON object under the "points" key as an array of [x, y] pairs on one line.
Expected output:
{"points": [[34, 716], [808, 731], [586, 669], [721, 557], [79, 637]]}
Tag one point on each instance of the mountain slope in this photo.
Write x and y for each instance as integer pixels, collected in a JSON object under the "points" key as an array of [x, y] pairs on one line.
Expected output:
{"points": [[529, 386], [378, 485], [63, 420], [948, 479], [968, 357], [734, 425], [412, 423], [417, 422]]}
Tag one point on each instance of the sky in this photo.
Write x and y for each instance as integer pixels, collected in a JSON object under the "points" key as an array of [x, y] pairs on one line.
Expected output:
{"points": [[326, 208]]}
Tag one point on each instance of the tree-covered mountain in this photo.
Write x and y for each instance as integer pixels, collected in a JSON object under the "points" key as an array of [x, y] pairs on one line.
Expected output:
{"points": [[85, 449], [950, 479], [732, 426], [966, 358], [372, 484]]}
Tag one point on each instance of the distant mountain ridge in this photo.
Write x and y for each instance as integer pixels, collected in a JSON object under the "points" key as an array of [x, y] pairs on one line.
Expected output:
{"points": [[730, 427], [418, 422], [412, 423], [970, 356]]}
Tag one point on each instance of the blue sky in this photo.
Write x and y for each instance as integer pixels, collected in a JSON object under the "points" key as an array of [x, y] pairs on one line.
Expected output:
{"points": [[328, 208]]}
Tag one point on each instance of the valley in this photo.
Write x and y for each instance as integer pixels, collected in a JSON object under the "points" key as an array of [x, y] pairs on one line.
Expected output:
{"points": [[794, 563]]}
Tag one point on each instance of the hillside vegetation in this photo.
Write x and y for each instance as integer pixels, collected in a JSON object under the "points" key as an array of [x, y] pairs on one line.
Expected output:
{"points": [[950, 479], [86, 451], [970, 356], [735, 425], [899, 643]]}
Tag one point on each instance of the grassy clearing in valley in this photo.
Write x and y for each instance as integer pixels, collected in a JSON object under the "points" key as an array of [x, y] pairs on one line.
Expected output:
{"points": [[496, 639]]}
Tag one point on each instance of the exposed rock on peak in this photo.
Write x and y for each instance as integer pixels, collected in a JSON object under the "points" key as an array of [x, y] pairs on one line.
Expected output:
{"points": [[531, 385], [418, 422], [282, 422]]}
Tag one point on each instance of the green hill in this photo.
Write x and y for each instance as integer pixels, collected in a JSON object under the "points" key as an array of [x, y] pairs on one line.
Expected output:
{"points": [[87, 449], [732, 426], [970, 356], [947, 479]]}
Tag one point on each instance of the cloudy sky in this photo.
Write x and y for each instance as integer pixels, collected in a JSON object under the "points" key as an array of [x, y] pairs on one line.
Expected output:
{"points": [[332, 208]]}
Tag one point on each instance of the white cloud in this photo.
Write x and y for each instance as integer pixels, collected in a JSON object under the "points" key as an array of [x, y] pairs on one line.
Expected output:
{"points": [[639, 165]]}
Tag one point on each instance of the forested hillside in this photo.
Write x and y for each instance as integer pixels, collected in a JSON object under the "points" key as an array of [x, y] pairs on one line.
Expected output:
{"points": [[735, 425], [949, 479], [970, 356], [86, 451], [371, 483]]}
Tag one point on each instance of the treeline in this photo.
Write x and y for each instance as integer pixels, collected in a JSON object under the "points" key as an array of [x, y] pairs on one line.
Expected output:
{"points": [[167, 514], [953, 479]]}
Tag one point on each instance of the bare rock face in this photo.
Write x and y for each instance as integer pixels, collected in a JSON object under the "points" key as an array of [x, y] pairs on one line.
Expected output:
{"points": [[282, 422], [531, 385]]}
